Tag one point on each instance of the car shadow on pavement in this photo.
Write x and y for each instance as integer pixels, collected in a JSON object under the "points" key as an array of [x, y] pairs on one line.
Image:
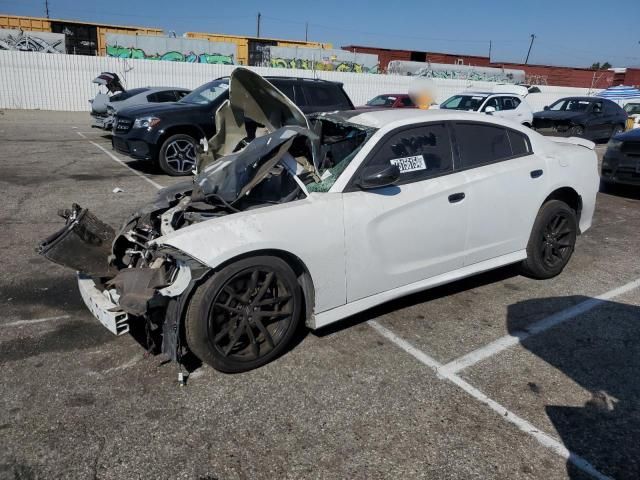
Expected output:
{"points": [[493, 276], [600, 351]]}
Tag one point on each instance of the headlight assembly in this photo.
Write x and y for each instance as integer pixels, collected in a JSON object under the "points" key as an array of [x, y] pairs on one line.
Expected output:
{"points": [[146, 122]]}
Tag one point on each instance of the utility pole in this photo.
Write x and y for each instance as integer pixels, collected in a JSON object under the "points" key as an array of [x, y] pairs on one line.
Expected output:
{"points": [[533, 37], [258, 33], [46, 7], [306, 31], [489, 50]]}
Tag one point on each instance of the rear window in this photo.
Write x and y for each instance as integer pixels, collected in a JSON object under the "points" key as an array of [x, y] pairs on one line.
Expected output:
{"points": [[118, 97], [480, 144]]}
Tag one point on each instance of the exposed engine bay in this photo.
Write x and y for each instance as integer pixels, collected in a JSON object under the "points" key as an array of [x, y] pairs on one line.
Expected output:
{"points": [[265, 152]]}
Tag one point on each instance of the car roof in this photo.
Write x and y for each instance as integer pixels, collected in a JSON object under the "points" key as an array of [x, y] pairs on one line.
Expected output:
{"points": [[292, 79], [400, 116]]}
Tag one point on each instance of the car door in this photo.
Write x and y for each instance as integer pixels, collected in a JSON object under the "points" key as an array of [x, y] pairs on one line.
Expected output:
{"points": [[597, 124], [411, 231], [506, 186]]}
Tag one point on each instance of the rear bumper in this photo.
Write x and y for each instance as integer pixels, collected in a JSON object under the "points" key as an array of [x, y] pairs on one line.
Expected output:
{"points": [[102, 307]]}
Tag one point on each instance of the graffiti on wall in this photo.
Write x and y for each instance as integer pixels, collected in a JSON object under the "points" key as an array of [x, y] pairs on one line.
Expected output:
{"points": [[171, 49], [471, 75], [31, 41], [455, 72], [325, 65], [304, 58], [191, 57]]}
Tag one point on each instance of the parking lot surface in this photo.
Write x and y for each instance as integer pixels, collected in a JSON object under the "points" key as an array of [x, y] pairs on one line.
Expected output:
{"points": [[495, 376]]}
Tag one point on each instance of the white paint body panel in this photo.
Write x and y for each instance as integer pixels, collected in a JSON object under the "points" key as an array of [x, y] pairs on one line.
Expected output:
{"points": [[364, 248]]}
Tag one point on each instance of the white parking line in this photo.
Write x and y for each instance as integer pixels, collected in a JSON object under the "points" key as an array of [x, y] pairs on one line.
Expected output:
{"points": [[19, 323], [523, 425], [81, 134], [554, 320], [140, 174]]}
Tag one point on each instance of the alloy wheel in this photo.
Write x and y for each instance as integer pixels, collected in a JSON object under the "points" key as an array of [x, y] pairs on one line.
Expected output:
{"points": [[556, 245], [181, 155], [250, 314]]}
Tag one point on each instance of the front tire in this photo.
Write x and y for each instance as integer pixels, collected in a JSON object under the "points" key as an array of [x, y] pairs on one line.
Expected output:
{"points": [[178, 155], [552, 240], [245, 315]]}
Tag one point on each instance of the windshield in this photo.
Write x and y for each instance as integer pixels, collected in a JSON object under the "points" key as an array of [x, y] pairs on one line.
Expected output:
{"points": [[632, 108], [570, 105], [382, 101], [341, 142], [207, 93], [463, 102]]}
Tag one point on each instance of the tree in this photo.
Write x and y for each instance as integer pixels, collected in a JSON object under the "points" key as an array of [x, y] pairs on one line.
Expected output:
{"points": [[599, 66]]}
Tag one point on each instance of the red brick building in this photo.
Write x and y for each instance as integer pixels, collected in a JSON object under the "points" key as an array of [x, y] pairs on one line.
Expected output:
{"points": [[535, 74]]}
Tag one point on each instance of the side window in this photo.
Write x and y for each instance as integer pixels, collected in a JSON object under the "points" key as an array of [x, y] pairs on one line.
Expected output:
{"points": [[492, 102], [180, 94], [168, 96], [519, 143], [419, 152], [480, 144], [508, 103], [597, 107], [287, 89], [319, 95], [407, 102]]}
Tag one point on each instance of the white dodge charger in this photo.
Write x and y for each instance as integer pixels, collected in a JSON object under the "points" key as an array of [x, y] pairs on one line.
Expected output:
{"points": [[293, 219]]}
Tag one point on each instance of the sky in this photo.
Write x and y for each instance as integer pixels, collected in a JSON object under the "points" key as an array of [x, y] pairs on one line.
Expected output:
{"points": [[568, 32]]}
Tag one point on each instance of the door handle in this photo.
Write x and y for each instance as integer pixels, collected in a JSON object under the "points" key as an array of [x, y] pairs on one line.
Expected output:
{"points": [[536, 173], [456, 197]]}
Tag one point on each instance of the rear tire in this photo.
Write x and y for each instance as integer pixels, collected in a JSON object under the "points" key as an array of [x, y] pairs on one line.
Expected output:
{"points": [[245, 315], [576, 131], [552, 240], [178, 155]]}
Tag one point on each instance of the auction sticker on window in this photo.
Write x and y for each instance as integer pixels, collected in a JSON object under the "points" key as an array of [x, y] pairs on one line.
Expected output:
{"points": [[410, 164]]}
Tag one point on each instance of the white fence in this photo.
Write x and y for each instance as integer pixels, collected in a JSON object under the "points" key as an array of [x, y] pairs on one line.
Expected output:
{"points": [[31, 80]]}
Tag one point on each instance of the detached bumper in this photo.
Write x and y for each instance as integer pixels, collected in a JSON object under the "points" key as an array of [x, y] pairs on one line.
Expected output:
{"points": [[108, 313]]}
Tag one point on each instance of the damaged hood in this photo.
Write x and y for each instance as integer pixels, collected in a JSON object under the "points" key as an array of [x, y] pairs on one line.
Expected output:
{"points": [[255, 128], [254, 107]]}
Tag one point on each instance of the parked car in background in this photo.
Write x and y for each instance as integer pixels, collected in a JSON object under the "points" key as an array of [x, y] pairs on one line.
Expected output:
{"points": [[103, 111], [395, 100], [169, 133], [509, 106], [633, 110], [588, 117], [269, 236], [621, 161]]}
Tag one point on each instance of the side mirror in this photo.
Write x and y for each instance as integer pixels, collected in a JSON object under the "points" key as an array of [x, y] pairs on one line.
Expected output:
{"points": [[378, 176], [489, 110], [546, 107]]}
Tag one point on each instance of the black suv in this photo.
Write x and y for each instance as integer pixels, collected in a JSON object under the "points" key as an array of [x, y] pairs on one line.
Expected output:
{"points": [[169, 132]]}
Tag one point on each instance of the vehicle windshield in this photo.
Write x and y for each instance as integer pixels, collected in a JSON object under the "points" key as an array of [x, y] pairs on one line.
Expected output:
{"points": [[207, 93], [632, 108], [463, 102], [570, 105], [341, 142], [382, 101]]}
